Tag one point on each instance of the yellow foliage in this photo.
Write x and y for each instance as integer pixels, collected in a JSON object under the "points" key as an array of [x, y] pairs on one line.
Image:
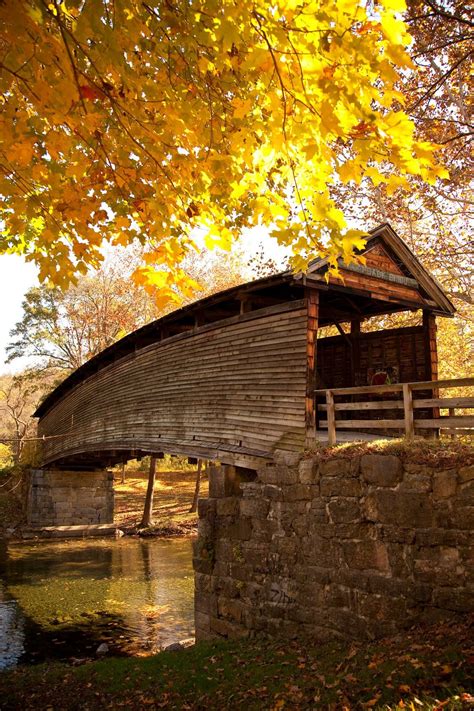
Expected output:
{"points": [[149, 120]]}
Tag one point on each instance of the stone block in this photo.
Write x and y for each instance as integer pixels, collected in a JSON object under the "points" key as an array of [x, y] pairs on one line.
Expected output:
{"points": [[287, 458], [395, 534], [251, 489], [439, 561], [206, 508], [381, 469], [457, 599], [343, 510], [255, 508], [230, 609], [321, 553], [308, 471], [444, 484], [202, 619], [466, 474], [466, 493], [203, 565], [229, 506], [337, 467], [224, 628], [462, 518], [419, 482], [241, 530], [406, 509], [273, 492], [224, 549], [335, 486], [337, 595], [366, 555], [279, 475], [297, 492]]}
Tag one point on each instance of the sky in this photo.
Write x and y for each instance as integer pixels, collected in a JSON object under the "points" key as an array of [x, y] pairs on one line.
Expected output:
{"points": [[16, 277]]}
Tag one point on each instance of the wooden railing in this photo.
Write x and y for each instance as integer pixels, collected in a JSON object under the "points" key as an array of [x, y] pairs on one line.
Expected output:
{"points": [[406, 402]]}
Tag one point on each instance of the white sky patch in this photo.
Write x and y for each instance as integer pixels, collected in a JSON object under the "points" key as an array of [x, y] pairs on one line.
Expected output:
{"points": [[16, 277]]}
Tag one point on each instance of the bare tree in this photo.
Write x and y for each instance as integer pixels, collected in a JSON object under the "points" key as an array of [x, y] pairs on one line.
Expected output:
{"points": [[147, 518], [19, 396], [197, 487]]}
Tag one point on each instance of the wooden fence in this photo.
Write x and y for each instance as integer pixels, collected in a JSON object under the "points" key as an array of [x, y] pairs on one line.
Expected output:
{"points": [[400, 408]]}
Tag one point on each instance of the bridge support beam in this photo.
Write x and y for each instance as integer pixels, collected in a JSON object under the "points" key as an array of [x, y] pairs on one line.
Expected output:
{"points": [[69, 498]]}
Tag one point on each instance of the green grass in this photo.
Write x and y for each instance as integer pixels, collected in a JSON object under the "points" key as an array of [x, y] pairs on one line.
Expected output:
{"points": [[429, 668]]}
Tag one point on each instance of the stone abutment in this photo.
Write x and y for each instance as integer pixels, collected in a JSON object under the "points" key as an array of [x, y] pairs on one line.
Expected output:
{"points": [[69, 498], [355, 546]]}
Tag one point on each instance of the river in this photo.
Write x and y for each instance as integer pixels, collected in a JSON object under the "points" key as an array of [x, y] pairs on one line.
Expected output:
{"points": [[61, 600]]}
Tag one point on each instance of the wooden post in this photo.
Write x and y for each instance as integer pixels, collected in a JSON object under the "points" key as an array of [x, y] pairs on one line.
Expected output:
{"points": [[431, 354], [452, 413], [355, 351], [123, 473], [147, 519], [311, 342], [408, 410], [331, 417], [431, 359], [245, 304]]}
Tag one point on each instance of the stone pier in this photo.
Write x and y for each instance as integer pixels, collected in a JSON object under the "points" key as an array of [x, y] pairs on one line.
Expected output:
{"points": [[69, 498], [332, 546]]}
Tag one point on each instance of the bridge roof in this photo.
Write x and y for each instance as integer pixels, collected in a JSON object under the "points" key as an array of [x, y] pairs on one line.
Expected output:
{"points": [[407, 269]]}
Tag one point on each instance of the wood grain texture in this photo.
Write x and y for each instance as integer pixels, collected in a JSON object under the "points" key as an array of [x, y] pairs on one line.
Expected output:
{"points": [[237, 387]]}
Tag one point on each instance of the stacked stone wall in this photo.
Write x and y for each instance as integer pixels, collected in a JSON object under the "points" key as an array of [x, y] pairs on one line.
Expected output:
{"points": [[68, 498], [341, 547]]}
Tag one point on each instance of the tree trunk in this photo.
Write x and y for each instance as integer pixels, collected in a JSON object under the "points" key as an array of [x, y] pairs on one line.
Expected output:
{"points": [[197, 488], [123, 473], [147, 519]]}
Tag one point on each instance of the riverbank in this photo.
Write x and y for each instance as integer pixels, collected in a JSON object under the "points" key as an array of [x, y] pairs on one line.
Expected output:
{"points": [[427, 668]]}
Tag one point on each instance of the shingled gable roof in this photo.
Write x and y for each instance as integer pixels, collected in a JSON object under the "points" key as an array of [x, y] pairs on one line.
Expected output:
{"points": [[386, 235]]}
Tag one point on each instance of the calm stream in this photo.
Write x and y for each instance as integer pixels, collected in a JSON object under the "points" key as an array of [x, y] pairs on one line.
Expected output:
{"points": [[61, 600]]}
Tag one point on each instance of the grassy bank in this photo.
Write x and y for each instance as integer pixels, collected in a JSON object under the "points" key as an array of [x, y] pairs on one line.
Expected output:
{"points": [[426, 668]]}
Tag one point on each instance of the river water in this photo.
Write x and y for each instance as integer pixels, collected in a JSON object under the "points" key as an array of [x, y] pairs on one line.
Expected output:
{"points": [[61, 600]]}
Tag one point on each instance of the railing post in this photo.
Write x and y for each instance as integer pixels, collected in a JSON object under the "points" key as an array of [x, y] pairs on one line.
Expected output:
{"points": [[408, 410], [331, 417], [452, 413]]}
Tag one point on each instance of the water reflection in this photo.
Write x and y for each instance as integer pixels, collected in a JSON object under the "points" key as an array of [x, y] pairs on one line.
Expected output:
{"points": [[61, 600], [11, 631]]}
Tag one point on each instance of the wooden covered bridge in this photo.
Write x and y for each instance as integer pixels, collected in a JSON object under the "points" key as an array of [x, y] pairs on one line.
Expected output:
{"points": [[234, 376]]}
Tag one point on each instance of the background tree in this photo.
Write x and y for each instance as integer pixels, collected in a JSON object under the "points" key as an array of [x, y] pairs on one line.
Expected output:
{"points": [[192, 121], [19, 396], [61, 329], [436, 220]]}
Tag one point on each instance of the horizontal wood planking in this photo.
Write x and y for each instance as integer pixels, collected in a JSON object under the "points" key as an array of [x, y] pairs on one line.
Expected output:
{"points": [[398, 387], [241, 385], [443, 402], [441, 422]]}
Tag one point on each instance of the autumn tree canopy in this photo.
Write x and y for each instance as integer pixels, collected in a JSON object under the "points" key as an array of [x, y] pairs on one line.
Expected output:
{"points": [[150, 119], [435, 220]]}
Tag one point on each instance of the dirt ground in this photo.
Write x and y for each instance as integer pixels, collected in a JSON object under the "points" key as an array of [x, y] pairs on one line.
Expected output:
{"points": [[172, 500]]}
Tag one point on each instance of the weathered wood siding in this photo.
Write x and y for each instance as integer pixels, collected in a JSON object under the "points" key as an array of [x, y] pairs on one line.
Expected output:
{"points": [[237, 385], [403, 348]]}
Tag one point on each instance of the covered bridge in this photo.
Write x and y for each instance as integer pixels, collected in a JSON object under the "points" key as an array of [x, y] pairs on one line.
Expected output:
{"points": [[232, 377]]}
